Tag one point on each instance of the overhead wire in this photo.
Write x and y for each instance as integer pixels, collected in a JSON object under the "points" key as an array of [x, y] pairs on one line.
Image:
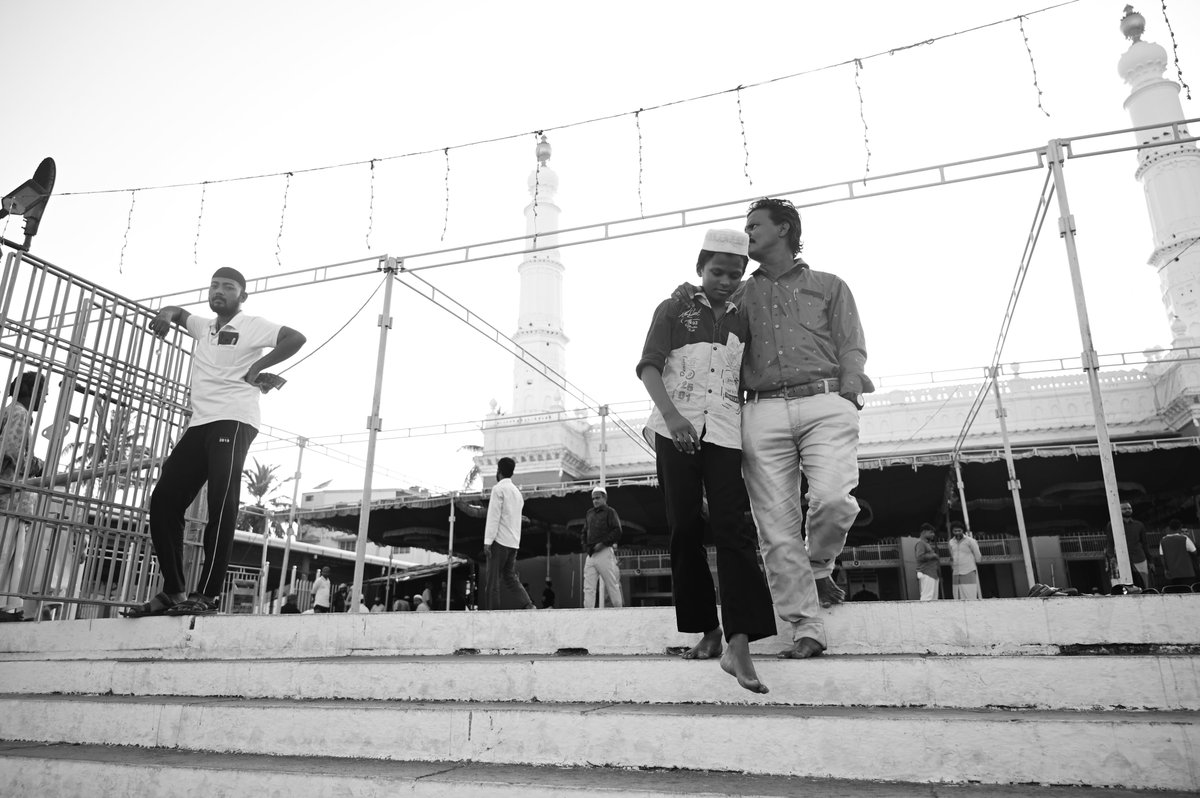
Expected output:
{"points": [[857, 60], [339, 330], [1039, 218], [500, 339]]}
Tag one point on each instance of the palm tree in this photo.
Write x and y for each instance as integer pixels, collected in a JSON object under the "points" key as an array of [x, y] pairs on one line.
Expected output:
{"points": [[260, 482], [473, 473]]}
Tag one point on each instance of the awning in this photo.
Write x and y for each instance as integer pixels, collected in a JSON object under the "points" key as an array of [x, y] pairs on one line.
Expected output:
{"points": [[1061, 489]]}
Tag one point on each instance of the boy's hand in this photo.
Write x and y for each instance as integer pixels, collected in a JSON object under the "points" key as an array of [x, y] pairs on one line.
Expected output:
{"points": [[683, 434]]}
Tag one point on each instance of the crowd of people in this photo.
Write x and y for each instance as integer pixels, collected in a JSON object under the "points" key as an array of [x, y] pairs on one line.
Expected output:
{"points": [[326, 598]]}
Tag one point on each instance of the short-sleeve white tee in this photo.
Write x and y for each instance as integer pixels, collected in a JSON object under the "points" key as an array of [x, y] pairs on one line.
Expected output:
{"points": [[220, 359]]}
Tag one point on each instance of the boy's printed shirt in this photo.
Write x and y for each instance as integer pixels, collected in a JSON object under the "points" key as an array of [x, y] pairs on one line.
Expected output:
{"points": [[700, 359]]}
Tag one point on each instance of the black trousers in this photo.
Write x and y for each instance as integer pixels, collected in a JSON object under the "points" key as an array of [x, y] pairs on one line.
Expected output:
{"points": [[214, 453], [502, 574], [745, 598]]}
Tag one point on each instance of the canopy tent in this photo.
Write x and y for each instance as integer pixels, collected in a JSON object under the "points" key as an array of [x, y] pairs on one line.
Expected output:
{"points": [[1061, 489], [550, 513]]}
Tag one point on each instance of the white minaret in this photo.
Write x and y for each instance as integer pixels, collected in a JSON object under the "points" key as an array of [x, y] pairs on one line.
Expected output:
{"points": [[540, 319], [1170, 176]]}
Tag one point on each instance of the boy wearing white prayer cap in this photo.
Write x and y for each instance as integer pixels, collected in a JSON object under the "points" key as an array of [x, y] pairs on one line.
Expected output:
{"points": [[691, 367]]}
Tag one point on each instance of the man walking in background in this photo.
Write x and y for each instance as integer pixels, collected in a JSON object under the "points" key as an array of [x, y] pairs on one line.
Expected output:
{"points": [[502, 539]]}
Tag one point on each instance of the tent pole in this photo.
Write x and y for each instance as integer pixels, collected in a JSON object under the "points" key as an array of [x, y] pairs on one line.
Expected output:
{"points": [[1014, 484], [1091, 362], [389, 267]]}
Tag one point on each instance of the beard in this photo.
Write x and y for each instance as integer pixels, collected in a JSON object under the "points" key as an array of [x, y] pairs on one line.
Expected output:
{"points": [[221, 306]]}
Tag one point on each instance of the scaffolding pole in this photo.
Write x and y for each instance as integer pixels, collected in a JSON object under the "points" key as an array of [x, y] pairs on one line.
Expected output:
{"points": [[450, 550], [1091, 363], [389, 267], [603, 445], [1014, 484], [962, 495], [291, 528], [264, 567]]}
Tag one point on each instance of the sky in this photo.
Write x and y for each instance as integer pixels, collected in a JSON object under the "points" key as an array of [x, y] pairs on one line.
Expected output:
{"points": [[137, 94]]}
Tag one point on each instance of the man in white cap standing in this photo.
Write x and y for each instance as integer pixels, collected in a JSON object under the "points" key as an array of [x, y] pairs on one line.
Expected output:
{"points": [[601, 531]]}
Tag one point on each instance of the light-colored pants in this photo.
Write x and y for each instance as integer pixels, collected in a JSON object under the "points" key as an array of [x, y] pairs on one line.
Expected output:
{"points": [[604, 565], [968, 591], [1143, 569], [779, 438], [929, 586]]}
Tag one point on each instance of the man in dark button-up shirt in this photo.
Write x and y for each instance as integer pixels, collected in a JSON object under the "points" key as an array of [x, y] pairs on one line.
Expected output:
{"points": [[803, 372]]}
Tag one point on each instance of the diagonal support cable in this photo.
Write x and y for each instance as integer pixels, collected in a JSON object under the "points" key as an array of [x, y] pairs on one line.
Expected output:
{"points": [[1035, 231], [475, 322]]}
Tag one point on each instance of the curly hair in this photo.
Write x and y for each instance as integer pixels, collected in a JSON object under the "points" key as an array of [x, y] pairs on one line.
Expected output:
{"points": [[781, 211]]}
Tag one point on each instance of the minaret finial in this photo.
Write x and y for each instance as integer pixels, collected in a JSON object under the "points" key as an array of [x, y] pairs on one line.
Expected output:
{"points": [[1133, 25], [543, 151]]}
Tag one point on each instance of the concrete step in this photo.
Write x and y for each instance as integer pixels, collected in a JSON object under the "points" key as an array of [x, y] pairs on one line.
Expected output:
{"points": [[1155, 750], [1170, 622], [88, 771], [1162, 682]]}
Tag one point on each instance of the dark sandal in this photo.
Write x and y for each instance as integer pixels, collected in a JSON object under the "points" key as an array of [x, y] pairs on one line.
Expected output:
{"points": [[149, 610], [195, 604]]}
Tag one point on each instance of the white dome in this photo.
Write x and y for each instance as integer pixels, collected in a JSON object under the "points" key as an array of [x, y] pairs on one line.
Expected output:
{"points": [[1143, 61]]}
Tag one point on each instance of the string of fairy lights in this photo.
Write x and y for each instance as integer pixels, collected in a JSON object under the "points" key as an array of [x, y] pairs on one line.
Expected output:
{"points": [[1175, 51], [745, 142], [446, 217], [862, 114], [199, 220], [371, 206], [1032, 65], [861, 87]]}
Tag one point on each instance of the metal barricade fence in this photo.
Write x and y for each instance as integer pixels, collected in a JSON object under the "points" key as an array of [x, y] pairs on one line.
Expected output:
{"points": [[75, 482]]}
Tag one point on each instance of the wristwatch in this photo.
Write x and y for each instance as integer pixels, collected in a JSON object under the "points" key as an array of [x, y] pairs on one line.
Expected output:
{"points": [[855, 399]]}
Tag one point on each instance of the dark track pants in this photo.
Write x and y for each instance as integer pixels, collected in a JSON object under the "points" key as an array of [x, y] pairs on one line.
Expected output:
{"points": [[214, 453], [745, 598]]}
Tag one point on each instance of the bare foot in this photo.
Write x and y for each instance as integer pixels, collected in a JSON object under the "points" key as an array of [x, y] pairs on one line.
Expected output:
{"points": [[708, 647], [804, 648], [737, 663]]}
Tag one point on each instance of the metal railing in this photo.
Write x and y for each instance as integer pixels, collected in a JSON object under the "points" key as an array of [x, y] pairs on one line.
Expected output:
{"points": [[74, 509]]}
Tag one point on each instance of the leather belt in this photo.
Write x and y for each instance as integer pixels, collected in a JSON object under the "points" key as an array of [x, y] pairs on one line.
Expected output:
{"points": [[795, 391]]}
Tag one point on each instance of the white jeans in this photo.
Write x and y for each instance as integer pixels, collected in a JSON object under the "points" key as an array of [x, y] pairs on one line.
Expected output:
{"points": [[929, 586], [603, 564], [818, 434]]}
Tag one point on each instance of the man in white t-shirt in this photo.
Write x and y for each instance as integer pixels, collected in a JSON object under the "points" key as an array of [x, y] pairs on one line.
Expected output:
{"points": [[322, 591], [230, 353]]}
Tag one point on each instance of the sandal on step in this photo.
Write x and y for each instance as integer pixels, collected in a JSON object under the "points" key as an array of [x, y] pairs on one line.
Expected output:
{"points": [[159, 605], [195, 604]]}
